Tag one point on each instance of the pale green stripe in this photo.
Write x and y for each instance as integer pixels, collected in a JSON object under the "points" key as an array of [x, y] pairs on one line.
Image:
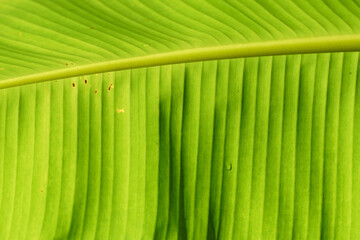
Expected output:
{"points": [[344, 43]]}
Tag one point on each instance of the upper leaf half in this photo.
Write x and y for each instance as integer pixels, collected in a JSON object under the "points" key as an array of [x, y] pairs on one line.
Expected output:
{"points": [[38, 37]]}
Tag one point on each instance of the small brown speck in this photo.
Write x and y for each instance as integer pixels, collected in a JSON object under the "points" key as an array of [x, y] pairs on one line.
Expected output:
{"points": [[85, 81], [96, 92], [111, 86], [73, 84], [67, 64]]}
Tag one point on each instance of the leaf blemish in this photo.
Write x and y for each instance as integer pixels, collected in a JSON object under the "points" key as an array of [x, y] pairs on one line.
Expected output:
{"points": [[118, 110], [85, 81], [73, 84], [111, 86], [96, 91]]}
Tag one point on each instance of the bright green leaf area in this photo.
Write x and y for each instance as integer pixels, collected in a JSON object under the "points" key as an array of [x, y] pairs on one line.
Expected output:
{"points": [[175, 119]]}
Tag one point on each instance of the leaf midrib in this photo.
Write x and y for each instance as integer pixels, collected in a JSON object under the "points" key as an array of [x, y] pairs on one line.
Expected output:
{"points": [[342, 43]]}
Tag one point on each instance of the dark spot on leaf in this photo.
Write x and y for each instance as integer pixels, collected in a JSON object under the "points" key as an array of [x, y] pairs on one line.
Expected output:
{"points": [[96, 92], [66, 64], [73, 84], [85, 81]]}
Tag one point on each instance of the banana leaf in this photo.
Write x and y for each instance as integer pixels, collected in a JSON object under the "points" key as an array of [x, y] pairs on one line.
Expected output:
{"points": [[181, 119]]}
